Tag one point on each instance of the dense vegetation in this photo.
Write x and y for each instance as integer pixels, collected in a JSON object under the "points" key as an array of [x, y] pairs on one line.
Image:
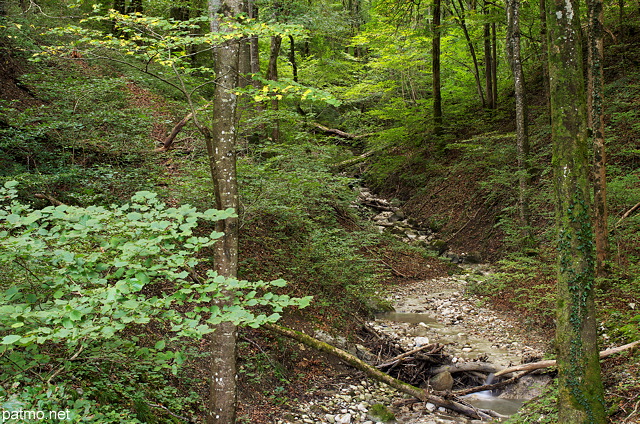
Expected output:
{"points": [[343, 97]]}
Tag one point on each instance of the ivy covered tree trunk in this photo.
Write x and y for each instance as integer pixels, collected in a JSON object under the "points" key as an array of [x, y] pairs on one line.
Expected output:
{"points": [[580, 397], [435, 63], [221, 147], [596, 123]]}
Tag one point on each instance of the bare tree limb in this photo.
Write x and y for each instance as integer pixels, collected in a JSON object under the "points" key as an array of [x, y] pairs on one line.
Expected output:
{"points": [[626, 214], [552, 363], [168, 142]]}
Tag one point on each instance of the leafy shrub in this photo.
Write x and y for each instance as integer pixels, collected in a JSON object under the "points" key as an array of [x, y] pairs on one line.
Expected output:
{"points": [[82, 280]]}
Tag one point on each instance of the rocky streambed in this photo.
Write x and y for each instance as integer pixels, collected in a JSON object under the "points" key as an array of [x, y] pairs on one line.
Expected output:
{"points": [[436, 312], [427, 312]]}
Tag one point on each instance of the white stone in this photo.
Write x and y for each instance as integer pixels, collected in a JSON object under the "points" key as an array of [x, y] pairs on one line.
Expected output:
{"points": [[421, 341], [343, 419]]}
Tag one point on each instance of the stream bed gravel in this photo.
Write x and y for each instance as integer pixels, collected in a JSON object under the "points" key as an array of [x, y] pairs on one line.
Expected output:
{"points": [[431, 311]]}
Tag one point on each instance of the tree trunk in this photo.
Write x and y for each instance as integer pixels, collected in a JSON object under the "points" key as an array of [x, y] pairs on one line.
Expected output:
{"points": [[221, 147], [253, 39], [272, 74], [461, 19], [437, 94], [292, 58], [522, 137], [135, 7], [596, 123], [119, 6], [580, 392], [494, 65], [544, 58], [488, 67]]}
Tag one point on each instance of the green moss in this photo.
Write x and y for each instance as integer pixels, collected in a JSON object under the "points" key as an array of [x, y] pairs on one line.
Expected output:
{"points": [[381, 413]]}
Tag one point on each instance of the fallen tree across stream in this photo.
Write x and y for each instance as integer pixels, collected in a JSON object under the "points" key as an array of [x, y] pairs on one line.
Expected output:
{"points": [[552, 363], [446, 401]]}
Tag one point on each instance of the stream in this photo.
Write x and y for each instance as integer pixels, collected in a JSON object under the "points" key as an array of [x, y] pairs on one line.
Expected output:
{"points": [[429, 311]]}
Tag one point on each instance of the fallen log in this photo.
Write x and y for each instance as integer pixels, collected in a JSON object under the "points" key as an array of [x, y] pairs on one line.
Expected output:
{"points": [[339, 133], [552, 363], [485, 367], [376, 374]]}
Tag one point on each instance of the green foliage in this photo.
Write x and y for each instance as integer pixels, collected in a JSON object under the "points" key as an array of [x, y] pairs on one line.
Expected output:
{"points": [[79, 279], [81, 273]]}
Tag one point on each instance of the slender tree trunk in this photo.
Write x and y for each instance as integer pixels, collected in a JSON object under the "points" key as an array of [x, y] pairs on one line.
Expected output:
{"points": [[522, 137], [488, 66], [272, 74], [596, 123], [580, 392], [461, 19], [544, 58], [494, 64], [437, 94], [253, 40], [221, 147], [292, 58]]}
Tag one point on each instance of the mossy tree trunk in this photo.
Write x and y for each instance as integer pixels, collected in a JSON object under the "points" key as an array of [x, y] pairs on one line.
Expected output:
{"points": [[221, 148], [580, 398], [596, 123]]}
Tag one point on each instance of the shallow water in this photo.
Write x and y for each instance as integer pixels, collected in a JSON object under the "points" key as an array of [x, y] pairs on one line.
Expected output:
{"points": [[484, 400]]}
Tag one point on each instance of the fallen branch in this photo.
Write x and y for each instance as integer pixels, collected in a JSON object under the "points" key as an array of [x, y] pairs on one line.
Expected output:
{"points": [[398, 358], [53, 200], [552, 363], [376, 374], [337, 132], [355, 160], [626, 215]]}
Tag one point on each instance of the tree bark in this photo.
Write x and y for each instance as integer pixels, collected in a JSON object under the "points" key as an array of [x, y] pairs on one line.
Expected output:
{"points": [[544, 57], [580, 391], [596, 123], [435, 64], [522, 136], [221, 148], [272, 74], [488, 67]]}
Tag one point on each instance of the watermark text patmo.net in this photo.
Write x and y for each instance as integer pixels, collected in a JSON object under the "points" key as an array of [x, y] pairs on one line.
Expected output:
{"points": [[33, 415]]}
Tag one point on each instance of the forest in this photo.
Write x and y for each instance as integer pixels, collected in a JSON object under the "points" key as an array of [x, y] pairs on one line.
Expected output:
{"points": [[209, 210]]}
